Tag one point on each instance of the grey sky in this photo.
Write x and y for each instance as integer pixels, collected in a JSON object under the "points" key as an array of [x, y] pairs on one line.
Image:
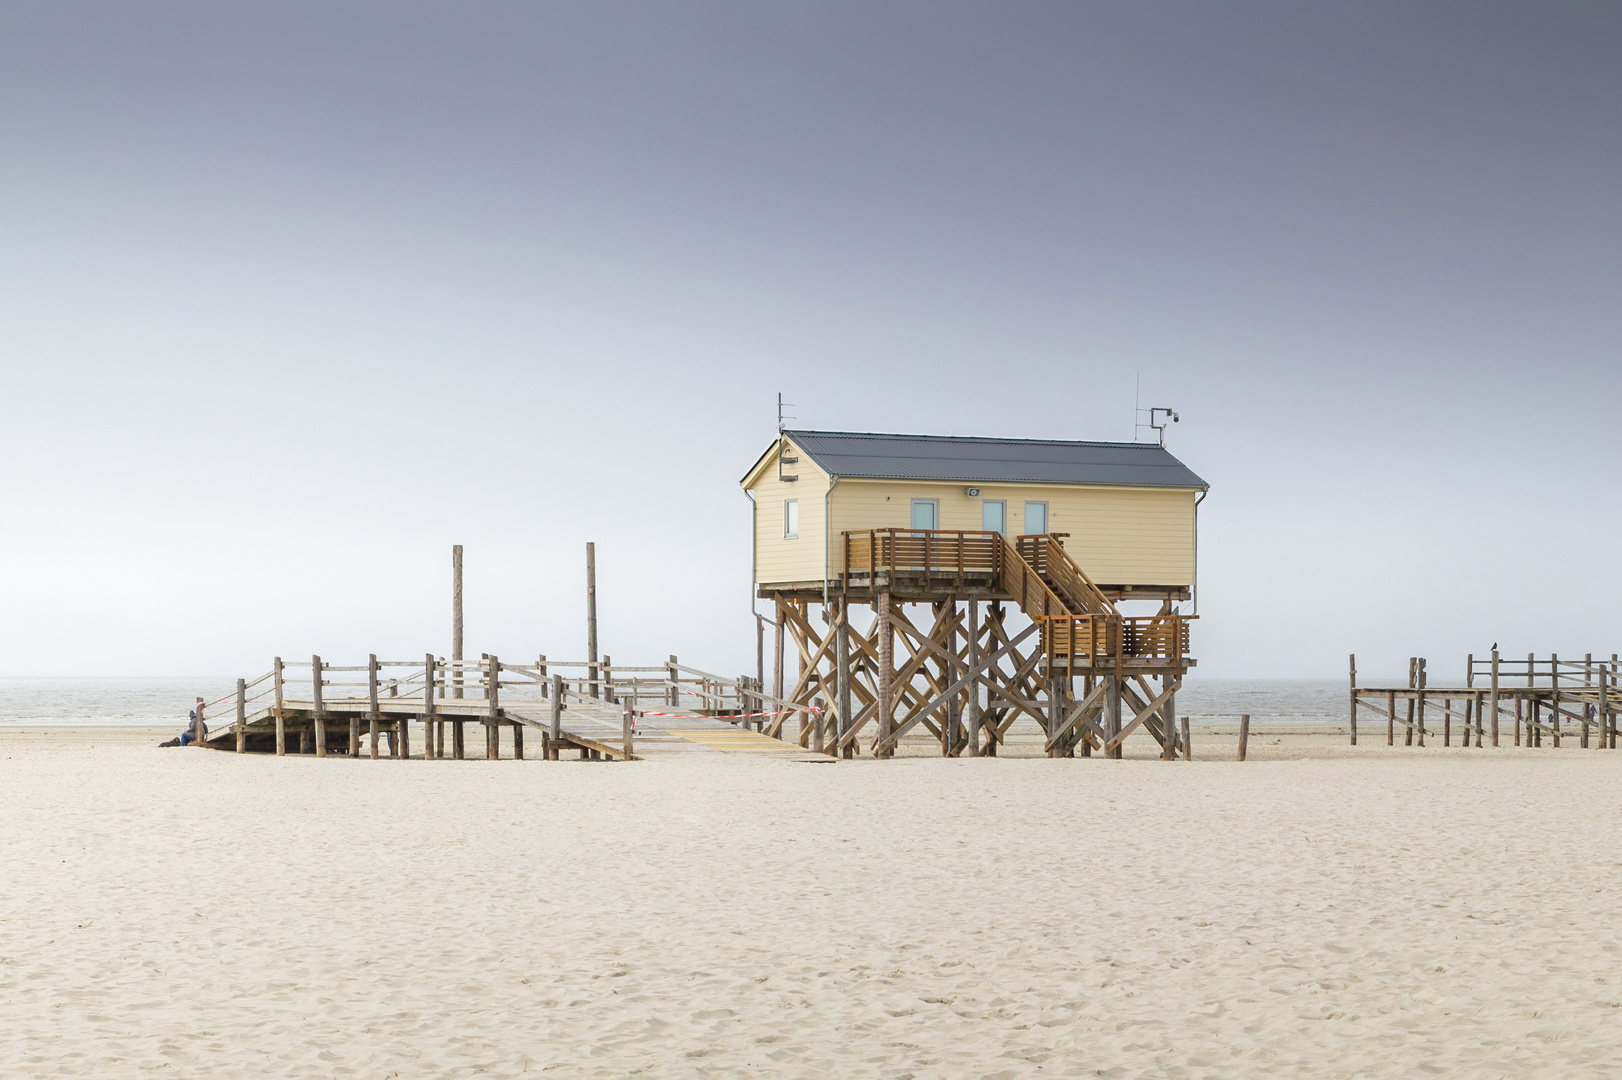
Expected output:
{"points": [[293, 297]]}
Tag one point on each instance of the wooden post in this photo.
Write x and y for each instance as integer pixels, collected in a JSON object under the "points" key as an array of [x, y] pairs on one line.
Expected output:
{"points": [[555, 740], [198, 725], [1182, 721], [1604, 717], [1112, 710], [1447, 721], [1518, 723], [281, 727], [320, 723], [1470, 669], [951, 730], [591, 615], [1244, 734], [842, 678], [627, 725], [886, 674], [1413, 675], [1168, 728], [972, 719], [242, 715], [456, 621], [673, 677], [1554, 699], [1588, 681], [760, 655], [1420, 673], [606, 673], [1353, 664], [778, 671], [428, 668], [1391, 718], [1495, 697], [1055, 714], [492, 694]]}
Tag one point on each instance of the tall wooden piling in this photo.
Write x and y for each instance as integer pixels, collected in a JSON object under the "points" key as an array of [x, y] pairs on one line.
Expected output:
{"points": [[242, 716], [843, 722], [320, 714], [456, 621], [591, 615], [1244, 734]]}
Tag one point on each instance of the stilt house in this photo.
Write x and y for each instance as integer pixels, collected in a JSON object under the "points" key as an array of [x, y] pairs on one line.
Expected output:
{"points": [[1063, 530]]}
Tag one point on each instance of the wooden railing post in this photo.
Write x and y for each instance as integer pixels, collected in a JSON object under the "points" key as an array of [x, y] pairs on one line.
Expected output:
{"points": [[540, 676], [281, 726], [627, 725], [492, 696], [320, 709], [242, 715], [428, 669], [555, 739]]}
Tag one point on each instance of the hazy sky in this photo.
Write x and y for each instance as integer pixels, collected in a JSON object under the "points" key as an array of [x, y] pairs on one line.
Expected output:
{"points": [[295, 296]]}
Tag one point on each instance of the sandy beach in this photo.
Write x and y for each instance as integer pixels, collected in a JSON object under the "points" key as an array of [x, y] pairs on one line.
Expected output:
{"points": [[1317, 911]]}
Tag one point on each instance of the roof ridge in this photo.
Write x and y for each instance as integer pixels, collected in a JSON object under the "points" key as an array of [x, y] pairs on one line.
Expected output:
{"points": [[979, 439]]}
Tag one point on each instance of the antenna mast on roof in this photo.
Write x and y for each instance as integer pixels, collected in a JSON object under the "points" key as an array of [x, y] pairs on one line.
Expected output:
{"points": [[1157, 416], [781, 416]]}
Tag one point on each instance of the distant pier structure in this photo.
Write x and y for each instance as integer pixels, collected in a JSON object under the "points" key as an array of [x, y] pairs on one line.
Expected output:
{"points": [[1502, 701], [1000, 568]]}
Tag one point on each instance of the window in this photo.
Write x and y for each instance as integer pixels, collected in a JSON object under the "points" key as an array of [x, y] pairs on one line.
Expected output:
{"points": [[926, 513], [1036, 518], [994, 516], [791, 519]]}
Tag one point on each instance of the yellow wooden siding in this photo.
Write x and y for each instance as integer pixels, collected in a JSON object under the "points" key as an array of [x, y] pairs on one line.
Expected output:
{"points": [[1119, 536], [778, 559]]}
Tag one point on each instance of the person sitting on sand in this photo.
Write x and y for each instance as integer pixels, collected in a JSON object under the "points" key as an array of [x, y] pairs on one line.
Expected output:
{"points": [[186, 737]]}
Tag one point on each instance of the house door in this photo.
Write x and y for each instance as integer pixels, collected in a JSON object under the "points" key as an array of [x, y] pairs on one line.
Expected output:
{"points": [[926, 513]]}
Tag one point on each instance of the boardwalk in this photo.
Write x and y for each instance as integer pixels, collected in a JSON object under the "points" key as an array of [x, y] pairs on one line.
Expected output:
{"points": [[425, 711]]}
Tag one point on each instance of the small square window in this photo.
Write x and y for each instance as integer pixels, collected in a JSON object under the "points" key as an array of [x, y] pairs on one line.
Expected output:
{"points": [[791, 519]]}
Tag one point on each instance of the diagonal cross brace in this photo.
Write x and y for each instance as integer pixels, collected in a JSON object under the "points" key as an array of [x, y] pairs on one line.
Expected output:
{"points": [[1147, 711], [964, 680], [1078, 713]]}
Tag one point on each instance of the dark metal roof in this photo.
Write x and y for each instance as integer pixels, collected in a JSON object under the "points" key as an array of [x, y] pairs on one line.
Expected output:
{"points": [[862, 455]]}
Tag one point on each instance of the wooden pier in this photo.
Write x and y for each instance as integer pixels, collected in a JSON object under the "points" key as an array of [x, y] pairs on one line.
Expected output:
{"points": [[1532, 700], [600, 711]]}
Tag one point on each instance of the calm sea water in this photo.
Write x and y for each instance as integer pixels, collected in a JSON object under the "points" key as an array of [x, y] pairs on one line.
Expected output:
{"points": [[166, 701]]}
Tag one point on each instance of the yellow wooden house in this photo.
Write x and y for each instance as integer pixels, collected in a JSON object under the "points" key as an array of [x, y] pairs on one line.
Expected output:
{"points": [[1126, 511]]}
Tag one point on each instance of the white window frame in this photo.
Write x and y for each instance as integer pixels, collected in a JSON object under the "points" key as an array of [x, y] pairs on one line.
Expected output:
{"points": [[994, 502], [791, 519], [1047, 522], [934, 503]]}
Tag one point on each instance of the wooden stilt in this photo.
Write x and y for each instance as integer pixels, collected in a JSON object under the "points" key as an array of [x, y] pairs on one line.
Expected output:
{"points": [[973, 689], [1391, 718], [242, 716], [886, 673], [492, 697]]}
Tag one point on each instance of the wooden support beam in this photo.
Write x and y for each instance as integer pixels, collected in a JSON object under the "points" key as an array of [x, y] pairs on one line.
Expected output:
{"points": [[281, 726]]}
